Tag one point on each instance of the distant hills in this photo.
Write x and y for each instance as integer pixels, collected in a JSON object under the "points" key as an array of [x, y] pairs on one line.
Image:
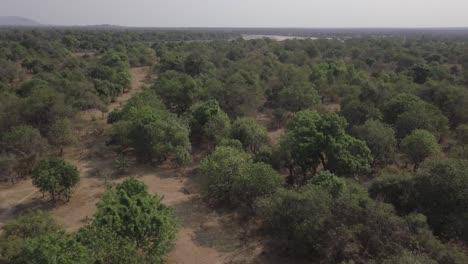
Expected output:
{"points": [[16, 21], [12, 21]]}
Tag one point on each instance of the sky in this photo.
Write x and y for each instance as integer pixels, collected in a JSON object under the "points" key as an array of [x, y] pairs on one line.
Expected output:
{"points": [[243, 13]]}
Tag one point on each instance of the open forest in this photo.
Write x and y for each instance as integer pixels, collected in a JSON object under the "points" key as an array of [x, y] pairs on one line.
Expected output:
{"points": [[197, 146]]}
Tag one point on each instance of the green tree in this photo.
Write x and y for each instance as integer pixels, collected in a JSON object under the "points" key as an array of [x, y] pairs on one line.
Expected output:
{"points": [[43, 107], [156, 135], [418, 146], [241, 94], [252, 135], [420, 73], [460, 150], [219, 170], [442, 195], [178, 91], [53, 248], [394, 188], [357, 112], [451, 100], [330, 220], [255, 180], [298, 96], [312, 139], [380, 139], [398, 105], [195, 64], [210, 120], [105, 246], [133, 213], [55, 177], [29, 225], [25, 141], [60, 134], [421, 116], [26, 146]]}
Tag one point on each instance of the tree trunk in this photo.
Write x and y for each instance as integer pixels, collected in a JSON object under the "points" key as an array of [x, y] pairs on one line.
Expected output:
{"points": [[324, 163]]}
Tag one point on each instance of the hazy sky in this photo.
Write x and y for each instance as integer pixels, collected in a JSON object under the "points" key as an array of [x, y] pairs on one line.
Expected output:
{"points": [[243, 13]]}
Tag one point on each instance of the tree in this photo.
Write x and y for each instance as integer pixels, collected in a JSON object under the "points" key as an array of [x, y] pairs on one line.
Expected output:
{"points": [[418, 146], [408, 257], [43, 107], [178, 91], [133, 213], [53, 248], [156, 135], [312, 139], [380, 139], [105, 246], [60, 134], [55, 177], [8, 164], [451, 100], [210, 120], [398, 105], [255, 180], [301, 217], [24, 146], [331, 220], [29, 225], [460, 150], [252, 135], [421, 116], [396, 189], [442, 195], [420, 73], [241, 94], [219, 170], [357, 112], [298, 96], [8, 71], [24, 141], [195, 64]]}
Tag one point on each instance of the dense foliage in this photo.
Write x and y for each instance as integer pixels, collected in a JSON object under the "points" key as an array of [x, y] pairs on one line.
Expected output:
{"points": [[290, 132]]}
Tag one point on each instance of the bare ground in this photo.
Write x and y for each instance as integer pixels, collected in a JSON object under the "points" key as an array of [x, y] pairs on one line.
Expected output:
{"points": [[205, 236]]}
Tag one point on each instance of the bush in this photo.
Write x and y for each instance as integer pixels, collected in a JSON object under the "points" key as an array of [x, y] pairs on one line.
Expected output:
{"points": [[121, 165]]}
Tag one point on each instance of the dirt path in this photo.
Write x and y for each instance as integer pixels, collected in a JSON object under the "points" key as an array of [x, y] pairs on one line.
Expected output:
{"points": [[205, 236]]}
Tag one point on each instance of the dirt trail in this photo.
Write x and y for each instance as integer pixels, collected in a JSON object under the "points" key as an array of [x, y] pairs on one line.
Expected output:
{"points": [[205, 236]]}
